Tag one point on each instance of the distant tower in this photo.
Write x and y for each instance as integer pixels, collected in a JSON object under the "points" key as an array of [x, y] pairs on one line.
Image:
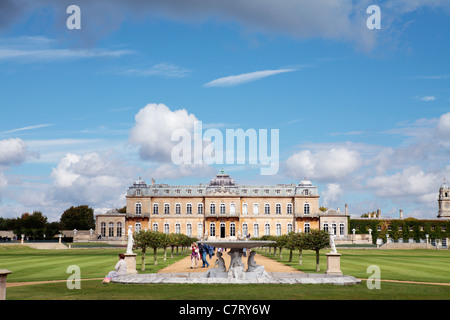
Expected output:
{"points": [[444, 201]]}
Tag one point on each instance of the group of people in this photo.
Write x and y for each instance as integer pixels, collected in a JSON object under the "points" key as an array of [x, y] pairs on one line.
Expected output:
{"points": [[201, 251]]}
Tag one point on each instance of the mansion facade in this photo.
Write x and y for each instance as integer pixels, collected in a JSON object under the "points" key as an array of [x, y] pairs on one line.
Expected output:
{"points": [[222, 209]]}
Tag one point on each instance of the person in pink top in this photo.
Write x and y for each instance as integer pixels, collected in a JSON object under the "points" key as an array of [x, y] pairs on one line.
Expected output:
{"points": [[195, 255]]}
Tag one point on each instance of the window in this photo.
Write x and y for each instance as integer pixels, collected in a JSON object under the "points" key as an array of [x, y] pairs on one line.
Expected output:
{"points": [[199, 229], [277, 191], [137, 227], [306, 192], [111, 229], [155, 208], [232, 229], [325, 227], [244, 191], [278, 229], [166, 208], [267, 229], [232, 208], [189, 229], [155, 227], [177, 228], [119, 229], [212, 229], [333, 226], [138, 208], [341, 229], [266, 191], [200, 208], [189, 191], [178, 191], [103, 229], [389, 228], [278, 208], [307, 227], [200, 191], [244, 229], [306, 208], [212, 208], [289, 208], [177, 208], [255, 209], [222, 208], [244, 208], [378, 228], [189, 208], [166, 228], [289, 228], [138, 192], [256, 230], [166, 191], [266, 208]]}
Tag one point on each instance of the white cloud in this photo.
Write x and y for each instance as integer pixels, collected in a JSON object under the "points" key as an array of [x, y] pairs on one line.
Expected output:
{"points": [[245, 77], [12, 151], [163, 69], [26, 128], [443, 126], [153, 129], [331, 195], [323, 165], [427, 98]]}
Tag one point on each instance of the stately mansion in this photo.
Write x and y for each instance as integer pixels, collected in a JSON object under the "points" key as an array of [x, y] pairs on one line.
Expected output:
{"points": [[222, 209]]}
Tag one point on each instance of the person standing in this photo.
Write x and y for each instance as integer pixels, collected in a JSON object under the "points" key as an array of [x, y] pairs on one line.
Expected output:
{"points": [[203, 251], [194, 255]]}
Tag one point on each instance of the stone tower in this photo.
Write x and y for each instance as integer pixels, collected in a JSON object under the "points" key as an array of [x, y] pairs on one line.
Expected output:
{"points": [[444, 201]]}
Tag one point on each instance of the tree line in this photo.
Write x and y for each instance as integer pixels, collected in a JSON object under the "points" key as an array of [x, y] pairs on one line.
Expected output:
{"points": [[37, 227]]}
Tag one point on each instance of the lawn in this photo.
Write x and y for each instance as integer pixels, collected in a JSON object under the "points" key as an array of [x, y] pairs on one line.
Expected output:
{"points": [[38, 265]]}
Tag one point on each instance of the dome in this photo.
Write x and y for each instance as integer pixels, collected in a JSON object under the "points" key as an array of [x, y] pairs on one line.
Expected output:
{"points": [[139, 183], [444, 185], [222, 179], [305, 183]]}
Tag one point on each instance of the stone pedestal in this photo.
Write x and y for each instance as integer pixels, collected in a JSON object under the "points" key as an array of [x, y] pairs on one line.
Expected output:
{"points": [[334, 263], [130, 259], [3, 274]]}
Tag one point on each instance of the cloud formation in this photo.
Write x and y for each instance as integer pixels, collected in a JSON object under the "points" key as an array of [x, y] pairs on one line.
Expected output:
{"points": [[235, 80]]}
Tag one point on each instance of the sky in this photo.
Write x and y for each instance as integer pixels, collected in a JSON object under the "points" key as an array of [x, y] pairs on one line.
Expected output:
{"points": [[362, 113]]}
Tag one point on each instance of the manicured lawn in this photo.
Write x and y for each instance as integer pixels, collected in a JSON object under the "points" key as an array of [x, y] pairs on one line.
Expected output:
{"points": [[38, 265], [409, 265]]}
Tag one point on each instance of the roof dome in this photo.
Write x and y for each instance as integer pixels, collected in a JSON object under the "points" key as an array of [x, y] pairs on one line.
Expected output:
{"points": [[139, 183], [444, 185], [222, 179], [305, 183]]}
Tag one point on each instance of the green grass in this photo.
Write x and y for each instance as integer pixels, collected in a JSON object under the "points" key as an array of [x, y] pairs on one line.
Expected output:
{"points": [[409, 265], [39, 265]]}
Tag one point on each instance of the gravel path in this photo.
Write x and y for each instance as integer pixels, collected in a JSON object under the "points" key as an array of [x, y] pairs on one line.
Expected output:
{"points": [[184, 265]]}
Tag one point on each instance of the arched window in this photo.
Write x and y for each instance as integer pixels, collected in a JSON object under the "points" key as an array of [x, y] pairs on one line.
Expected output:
{"points": [[341, 229], [177, 208], [306, 208], [289, 227], [119, 229], [278, 208], [177, 228], [232, 229], [212, 208], [189, 229], [103, 229], [199, 229], [325, 227], [267, 229], [222, 208], [244, 208], [155, 208], [255, 209], [111, 229], [137, 227], [212, 229], [244, 229], [155, 227], [138, 208], [333, 226], [256, 230], [189, 208], [278, 229], [166, 208], [307, 227], [166, 228], [232, 208], [266, 208], [200, 208], [289, 208]]}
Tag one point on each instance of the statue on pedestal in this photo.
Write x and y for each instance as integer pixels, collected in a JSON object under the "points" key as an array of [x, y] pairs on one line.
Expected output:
{"points": [[332, 244], [130, 240]]}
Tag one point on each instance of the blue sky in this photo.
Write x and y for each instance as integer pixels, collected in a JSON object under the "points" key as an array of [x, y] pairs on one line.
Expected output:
{"points": [[363, 114]]}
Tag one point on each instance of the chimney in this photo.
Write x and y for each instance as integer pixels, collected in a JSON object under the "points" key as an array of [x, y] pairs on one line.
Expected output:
{"points": [[401, 213], [346, 209], [378, 213]]}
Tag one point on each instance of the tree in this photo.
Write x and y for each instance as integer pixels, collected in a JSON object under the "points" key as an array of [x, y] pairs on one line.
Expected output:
{"points": [[281, 243], [317, 240], [155, 240], [80, 218], [296, 241], [140, 240]]}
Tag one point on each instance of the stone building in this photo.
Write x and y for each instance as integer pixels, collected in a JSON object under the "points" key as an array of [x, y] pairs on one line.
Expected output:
{"points": [[226, 210]]}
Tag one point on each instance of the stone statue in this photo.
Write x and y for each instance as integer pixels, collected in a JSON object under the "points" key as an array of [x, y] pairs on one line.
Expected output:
{"points": [[130, 240], [220, 263], [251, 263], [332, 244]]}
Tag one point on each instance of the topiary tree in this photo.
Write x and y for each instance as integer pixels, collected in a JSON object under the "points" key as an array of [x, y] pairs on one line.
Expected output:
{"points": [[296, 241], [317, 240], [141, 241]]}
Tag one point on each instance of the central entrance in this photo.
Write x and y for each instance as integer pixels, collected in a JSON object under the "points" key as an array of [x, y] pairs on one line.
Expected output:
{"points": [[222, 229]]}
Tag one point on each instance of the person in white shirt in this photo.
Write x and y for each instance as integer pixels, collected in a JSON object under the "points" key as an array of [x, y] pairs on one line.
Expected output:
{"points": [[120, 269]]}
